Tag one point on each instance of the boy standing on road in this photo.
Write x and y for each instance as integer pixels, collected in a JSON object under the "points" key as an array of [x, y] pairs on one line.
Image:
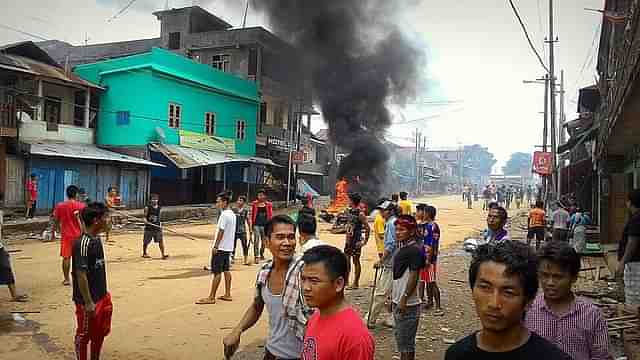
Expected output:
{"points": [[336, 330], [93, 301], [242, 222], [560, 217], [378, 231], [432, 247], [152, 229], [353, 241], [571, 322], [221, 251], [284, 340], [113, 201], [407, 262], [261, 213], [67, 215], [406, 206], [32, 196], [536, 224], [504, 282]]}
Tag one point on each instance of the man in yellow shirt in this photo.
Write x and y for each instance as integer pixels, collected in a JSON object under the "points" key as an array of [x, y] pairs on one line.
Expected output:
{"points": [[378, 230], [406, 206]]}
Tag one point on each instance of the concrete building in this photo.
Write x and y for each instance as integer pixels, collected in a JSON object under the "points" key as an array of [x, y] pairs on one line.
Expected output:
{"points": [[198, 121], [55, 113]]}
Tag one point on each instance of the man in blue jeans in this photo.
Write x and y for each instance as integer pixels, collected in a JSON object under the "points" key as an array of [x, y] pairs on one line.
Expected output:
{"points": [[407, 263]]}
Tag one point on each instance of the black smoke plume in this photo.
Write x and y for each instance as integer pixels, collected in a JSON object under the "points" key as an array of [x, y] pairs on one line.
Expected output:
{"points": [[359, 60]]}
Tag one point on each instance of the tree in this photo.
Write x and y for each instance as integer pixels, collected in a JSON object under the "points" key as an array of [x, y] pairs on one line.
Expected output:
{"points": [[478, 161], [518, 164]]}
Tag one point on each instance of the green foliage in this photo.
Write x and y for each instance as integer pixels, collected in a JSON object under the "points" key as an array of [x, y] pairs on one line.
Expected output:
{"points": [[479, 159], [518, 163]]}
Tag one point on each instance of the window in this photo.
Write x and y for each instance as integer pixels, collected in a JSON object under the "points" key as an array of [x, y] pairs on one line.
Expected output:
{"points": [[174, 41], [210, 123], [253, 64], [52, 113], [240, 130], [263, 117], [221, 62], [175, 112], [122, 118]]}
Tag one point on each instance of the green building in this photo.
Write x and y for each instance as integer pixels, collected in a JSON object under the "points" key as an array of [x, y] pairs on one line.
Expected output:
{"points": [[198, 121]]}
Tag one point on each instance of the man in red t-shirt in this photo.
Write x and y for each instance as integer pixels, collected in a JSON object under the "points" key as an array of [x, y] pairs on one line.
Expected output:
{"points": [[32, 195], [67, 215], [335, 331]]}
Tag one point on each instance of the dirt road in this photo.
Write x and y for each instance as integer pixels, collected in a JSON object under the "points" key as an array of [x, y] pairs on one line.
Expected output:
{"points": [[154, 312]]}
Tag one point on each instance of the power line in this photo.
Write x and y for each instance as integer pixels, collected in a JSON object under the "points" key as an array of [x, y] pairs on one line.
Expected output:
{"points": [[23, 32], [589, 57], [121, 11], [526, 34], [544, 52]]}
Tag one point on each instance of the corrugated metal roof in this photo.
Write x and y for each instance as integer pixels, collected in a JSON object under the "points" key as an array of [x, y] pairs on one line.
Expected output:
{"points": [[184, 157], [84, 151], [48, 71]]}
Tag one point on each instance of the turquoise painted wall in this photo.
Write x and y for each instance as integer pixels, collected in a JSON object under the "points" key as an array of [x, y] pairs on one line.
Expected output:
{"points": [[145, 84]]}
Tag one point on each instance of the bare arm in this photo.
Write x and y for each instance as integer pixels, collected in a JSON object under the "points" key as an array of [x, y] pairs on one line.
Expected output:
{"points": [[412, 284], [367, 228], [83, 285], [632, 248], [250, 318], [79, 220], [218, 239]]}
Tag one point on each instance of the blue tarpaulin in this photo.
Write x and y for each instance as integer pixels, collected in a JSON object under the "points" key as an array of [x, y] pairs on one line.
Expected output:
{"points": [[304, 188]]}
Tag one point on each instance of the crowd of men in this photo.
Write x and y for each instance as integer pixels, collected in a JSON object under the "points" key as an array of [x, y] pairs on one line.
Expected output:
{"points": [[304, 291]]}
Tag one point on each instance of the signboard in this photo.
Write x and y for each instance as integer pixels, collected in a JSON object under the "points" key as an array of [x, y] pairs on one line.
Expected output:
{"points": [[297, 157], [199, 141], [278, 143], [542, 163]]}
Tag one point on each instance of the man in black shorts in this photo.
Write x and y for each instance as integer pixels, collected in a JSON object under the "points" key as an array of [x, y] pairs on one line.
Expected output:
{"points": [[504, 282], [354, 241], [152, 229]]}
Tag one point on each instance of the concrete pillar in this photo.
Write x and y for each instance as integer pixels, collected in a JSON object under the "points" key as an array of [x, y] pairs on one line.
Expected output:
{"points": [[87, 108], [40, 111]]}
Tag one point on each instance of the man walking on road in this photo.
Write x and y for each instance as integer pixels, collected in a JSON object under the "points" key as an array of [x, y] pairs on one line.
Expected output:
{"points": [[222, 250], [284, 339], [32, 196], [152, 229], [261, 213], [572, 323], [93, 301], [383, 290], [67, 215], [560, 218], [504, 282], [536, 224], [429, 274], [307, 227], [336, 330], [242, 222], [629, 254]]}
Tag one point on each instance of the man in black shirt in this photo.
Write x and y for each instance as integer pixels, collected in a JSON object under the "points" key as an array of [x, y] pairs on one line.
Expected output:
{"points": [[504, 281], [152, 229], [93, 301]]}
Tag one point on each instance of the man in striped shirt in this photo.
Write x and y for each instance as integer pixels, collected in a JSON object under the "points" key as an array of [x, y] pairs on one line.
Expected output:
{"points": [[570, 322]]}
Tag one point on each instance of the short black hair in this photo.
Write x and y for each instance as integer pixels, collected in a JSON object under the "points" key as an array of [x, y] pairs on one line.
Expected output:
{"points": [[493, 205], [562, 255], [540, 204], [431, 211], [243, 198], [403, 195], [334, 260], [72, 191], [421, 207], [33, 175], [634, 198], [224, 196], [519, 259], [92, 212], [502, 211], [307, 224], [355, 197], [278, 219], [394, 197], [261, 191]]}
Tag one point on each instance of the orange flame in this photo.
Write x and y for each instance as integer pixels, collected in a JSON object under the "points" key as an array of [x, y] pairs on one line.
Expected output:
{"points": [[341, 202]]}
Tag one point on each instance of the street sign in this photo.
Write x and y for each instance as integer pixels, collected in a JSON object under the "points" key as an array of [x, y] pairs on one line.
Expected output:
{"points": [[542, 163], [297, 157]]}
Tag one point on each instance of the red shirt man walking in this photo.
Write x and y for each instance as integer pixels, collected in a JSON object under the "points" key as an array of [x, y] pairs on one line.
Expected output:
{"points": [[67, 215]]}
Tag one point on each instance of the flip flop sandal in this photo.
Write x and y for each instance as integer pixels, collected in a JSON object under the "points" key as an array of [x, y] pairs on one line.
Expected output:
{"points": [[225, 298], [20, 298], [206, 302], [165, 257], [146, 256]]}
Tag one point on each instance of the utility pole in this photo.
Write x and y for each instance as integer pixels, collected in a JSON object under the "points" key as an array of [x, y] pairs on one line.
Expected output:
{"points": [[561, 138], [545, 131], [552, 107], [416, 159]]}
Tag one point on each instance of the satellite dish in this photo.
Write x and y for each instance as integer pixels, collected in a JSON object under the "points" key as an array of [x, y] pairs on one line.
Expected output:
{"points": [[160, 134]]}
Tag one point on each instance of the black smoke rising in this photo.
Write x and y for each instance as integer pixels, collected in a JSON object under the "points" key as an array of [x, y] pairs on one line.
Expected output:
{"points": [[358, 60]]}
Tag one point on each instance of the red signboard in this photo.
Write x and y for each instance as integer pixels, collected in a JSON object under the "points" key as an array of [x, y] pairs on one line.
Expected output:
{"points": [[297, 157], [542, 163]]}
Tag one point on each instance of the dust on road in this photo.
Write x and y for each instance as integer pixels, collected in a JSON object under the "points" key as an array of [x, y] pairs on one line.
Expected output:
{"points": [[154, 312]]}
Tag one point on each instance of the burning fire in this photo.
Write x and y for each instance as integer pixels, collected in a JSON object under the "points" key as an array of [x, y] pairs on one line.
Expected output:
{"points": [[341, 202]]}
